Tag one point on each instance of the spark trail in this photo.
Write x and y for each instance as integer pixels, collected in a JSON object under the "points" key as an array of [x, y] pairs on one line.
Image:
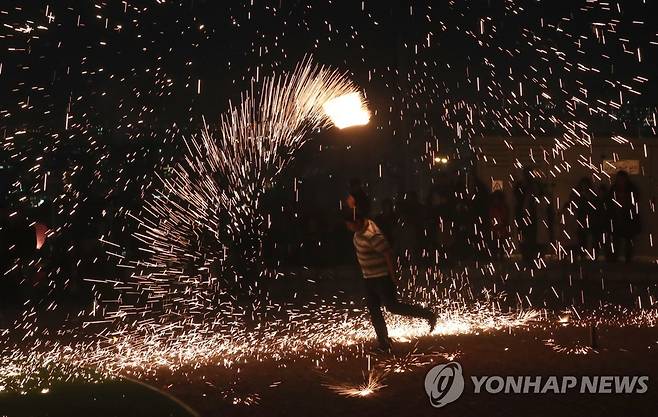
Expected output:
{"points": [[207, 214]]}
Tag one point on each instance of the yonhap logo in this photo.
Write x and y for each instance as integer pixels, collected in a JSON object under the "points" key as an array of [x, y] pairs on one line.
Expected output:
{"points": [[444, 384]]}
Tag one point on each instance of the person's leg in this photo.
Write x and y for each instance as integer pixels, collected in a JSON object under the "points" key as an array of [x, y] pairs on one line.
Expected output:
{"points": [[529, 246], [373, 302], [390, 301]]}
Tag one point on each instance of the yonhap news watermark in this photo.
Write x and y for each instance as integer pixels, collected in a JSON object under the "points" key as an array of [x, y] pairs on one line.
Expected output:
{"points": [[445, 383], [561, 384]]}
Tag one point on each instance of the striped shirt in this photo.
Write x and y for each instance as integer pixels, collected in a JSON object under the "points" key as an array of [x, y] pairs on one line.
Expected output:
{"points": [[371, 247]]}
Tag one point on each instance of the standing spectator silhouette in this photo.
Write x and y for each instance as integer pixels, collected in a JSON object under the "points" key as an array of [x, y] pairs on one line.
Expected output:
{"points": [[441, 215], [411, 234], [570, 229], [18, 244], [476, 236], [600, 223], [624, 217], [498, 223], [585, 211], [545, 219], [525, 213], [579, 219], [534, 216], [463, 226]]}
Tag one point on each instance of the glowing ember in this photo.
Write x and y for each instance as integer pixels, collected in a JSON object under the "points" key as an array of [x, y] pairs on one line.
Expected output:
{"points": [[372, 384], [576, 348], [413, 360]]}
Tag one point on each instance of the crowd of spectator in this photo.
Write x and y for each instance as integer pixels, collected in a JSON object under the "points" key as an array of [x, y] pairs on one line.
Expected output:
{"points": [[459, 220], [462, 220]]}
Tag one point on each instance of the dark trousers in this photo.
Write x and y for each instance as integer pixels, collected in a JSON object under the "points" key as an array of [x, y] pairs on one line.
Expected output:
{"points": [[529, 246], [381, 292]]}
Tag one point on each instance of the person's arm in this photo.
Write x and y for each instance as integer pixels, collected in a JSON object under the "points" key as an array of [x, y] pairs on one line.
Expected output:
{"points": [[390, 263]]}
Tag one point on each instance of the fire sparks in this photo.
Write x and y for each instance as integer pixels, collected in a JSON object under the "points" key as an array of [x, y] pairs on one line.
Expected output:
{"points": [[347, 111], [413, 360], [373, 383], [211, 202], [577, 348], [102, 118]]}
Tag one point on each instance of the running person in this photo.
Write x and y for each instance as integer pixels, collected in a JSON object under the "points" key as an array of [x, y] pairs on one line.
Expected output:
{"points": [[376, 260]]}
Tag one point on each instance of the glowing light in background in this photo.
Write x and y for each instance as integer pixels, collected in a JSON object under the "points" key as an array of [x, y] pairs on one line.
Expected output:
{"points": [[347, 110], [41, 234]]}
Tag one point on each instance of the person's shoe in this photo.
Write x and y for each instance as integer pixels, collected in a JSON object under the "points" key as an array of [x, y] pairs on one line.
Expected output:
{"points": [[381, 350], [432, 322]]}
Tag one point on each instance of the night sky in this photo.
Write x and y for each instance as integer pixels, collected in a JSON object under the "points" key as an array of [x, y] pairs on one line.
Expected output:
{"points": [[104, 87]]}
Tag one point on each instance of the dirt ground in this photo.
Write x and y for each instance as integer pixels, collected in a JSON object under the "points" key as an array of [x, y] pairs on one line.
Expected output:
{"points": [[307, 384], [302, 387], [302, 390]]}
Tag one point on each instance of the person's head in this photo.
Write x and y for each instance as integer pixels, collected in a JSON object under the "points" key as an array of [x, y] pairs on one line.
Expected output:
{"points": [[621, 180], [355, 221], [584, 185]]}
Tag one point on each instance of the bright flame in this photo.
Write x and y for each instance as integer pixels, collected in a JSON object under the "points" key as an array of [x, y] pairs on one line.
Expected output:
{"points": [[347, 111]]}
